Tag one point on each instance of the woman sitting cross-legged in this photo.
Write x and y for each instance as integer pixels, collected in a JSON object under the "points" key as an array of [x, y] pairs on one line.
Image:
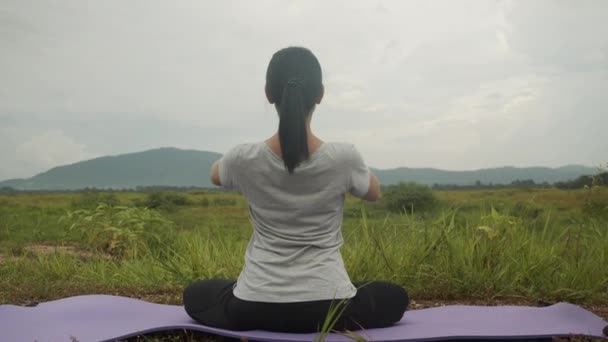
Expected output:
{"points": [[295, 185]]}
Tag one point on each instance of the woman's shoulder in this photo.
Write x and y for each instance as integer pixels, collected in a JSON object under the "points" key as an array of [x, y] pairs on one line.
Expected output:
{"points": [[339, 145], [343, 151], [245, 150]]}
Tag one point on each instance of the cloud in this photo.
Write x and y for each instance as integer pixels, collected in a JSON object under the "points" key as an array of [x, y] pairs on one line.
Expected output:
{"points": [[49, 149], [564, 36], [454, 85]]}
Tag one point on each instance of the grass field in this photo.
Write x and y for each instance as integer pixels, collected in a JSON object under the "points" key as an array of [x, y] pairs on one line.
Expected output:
{"points": [[482, 247]]}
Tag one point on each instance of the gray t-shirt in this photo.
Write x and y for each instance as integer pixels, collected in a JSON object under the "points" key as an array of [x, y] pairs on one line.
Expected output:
{"points": [[294, 251]]}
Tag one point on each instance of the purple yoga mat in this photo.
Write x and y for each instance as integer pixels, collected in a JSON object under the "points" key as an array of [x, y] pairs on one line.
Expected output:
{"points": [[106, 318]]}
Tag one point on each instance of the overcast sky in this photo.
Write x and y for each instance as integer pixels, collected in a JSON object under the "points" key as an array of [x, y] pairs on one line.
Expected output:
{"points": [[446, 84]]}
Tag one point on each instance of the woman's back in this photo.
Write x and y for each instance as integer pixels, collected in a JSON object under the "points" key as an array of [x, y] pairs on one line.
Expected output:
{"points": [[295, 186], [293, 254]]}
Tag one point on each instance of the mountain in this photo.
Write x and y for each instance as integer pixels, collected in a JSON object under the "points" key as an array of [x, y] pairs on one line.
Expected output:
{"points": [[183, 168], [501, 175], [163, 166]]}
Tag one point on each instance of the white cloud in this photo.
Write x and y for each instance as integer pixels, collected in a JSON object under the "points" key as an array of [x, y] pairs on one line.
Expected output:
{"points": [[462, 84], [49, 149]]}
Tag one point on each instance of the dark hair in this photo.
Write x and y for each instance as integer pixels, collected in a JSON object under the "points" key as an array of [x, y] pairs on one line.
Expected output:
{"points": [[293, 84]]}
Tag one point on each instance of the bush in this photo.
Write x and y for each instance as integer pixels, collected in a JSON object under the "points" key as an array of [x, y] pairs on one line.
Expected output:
{"points": [[352, 212], [7, 190], [595, 207], [595, 202], [224, 202], [91, 199], [121, 231], [526, 210], [409, 197], [164, 200]]}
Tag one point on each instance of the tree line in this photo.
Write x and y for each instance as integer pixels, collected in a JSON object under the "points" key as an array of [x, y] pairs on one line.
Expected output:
{"points": [[600, 179]]}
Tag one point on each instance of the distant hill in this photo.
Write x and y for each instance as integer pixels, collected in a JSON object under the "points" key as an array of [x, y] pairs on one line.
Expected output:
{"points": [[163, 166], [184, 168], [501, 175]]}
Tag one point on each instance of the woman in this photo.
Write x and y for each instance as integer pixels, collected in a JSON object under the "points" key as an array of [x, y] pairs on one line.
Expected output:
{"points": [[295, 185]]}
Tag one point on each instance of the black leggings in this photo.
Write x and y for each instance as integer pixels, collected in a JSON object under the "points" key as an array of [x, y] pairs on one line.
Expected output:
{"points": [[211, 302]]}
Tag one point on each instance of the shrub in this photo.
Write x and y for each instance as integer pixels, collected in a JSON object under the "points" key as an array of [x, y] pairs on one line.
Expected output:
{"points": [[224, 201], [7, 190], [526, 210], [409, 197], [91, 199], [204, 202], [595, 207], [165, 200], [596, 202], [121, 231], [352, 212]]}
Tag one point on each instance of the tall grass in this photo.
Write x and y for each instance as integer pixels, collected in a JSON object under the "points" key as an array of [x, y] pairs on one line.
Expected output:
{"points": [[486, 250], [494, 256]]}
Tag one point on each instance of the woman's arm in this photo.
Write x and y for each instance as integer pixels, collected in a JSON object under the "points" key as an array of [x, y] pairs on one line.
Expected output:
{"points": [[373, 193], [215, 173]]}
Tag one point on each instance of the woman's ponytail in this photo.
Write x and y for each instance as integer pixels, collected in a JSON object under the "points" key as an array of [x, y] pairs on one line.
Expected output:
{"points": [[292, 125], [294, 85]]}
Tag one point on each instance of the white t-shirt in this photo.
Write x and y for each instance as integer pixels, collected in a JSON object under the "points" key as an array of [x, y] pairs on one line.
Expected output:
{"points": [[294, 251]]}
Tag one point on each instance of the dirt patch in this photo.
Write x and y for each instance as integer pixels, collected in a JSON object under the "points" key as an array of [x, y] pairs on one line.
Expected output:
{"points": [[600, 310], [173, 298], [4, 258]]}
